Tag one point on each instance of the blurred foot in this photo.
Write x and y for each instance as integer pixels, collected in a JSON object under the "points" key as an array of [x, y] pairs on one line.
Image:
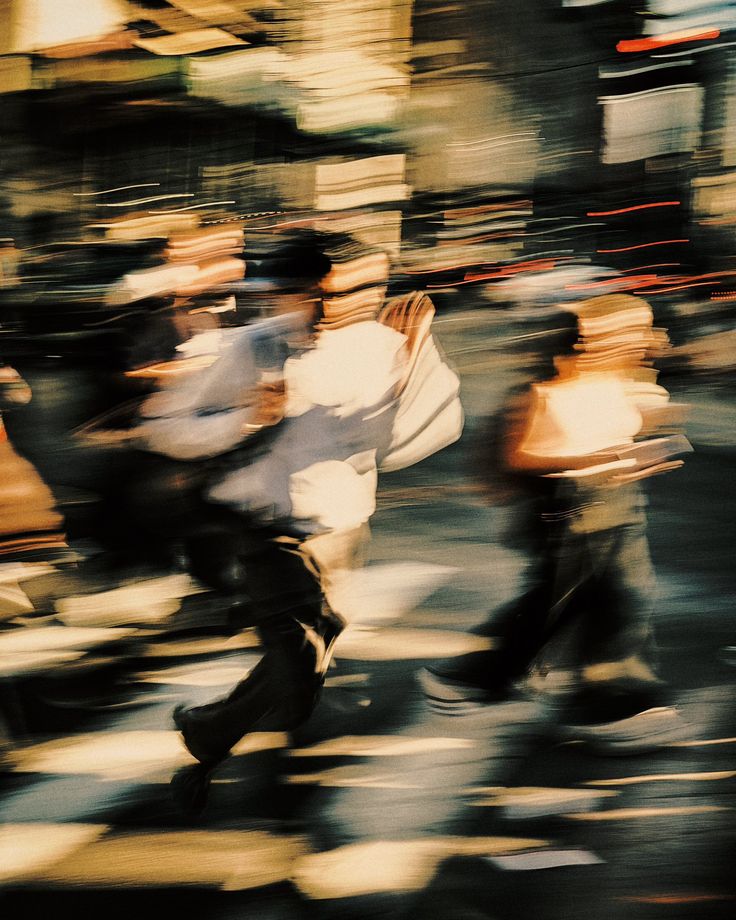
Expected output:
{"points": [[190, 787], [485, 676], [639, 734], [323, 635], [450, 696], [439, 688], [623, 724], [185, 721]]}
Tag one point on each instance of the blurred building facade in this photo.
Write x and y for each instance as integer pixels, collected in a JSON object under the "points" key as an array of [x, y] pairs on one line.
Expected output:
{"points": [[472, 136]]}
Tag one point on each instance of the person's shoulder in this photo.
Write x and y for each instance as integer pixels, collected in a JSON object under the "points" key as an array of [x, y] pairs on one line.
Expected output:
{"points": [[367, 332]]}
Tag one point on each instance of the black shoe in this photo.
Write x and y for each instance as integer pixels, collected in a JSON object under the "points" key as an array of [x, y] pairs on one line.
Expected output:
{"points": [[185, 722], [476, 677], [640, 733], [190, 787], [322, 635], [596, 705], [441, 689], [623, 724]]}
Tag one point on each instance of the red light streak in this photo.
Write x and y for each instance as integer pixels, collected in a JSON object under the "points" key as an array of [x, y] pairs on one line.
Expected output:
{"points": [[634, 207], [640, 268], [536, 265], [630, 46], [679, 287], [609, 282], [643, 246]]}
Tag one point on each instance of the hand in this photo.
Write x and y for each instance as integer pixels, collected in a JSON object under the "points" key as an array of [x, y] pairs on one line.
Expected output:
{"points": [[269, 403], [14, 391]]}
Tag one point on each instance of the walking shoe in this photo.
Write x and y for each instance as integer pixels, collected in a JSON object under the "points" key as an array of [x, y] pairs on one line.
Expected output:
{"points": [[186, 723], [622, 722], [190, 787], [476, 677], [442, 690], [638, 734]]}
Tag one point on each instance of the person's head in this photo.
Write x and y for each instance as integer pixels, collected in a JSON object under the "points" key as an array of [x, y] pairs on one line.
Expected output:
{"points": [[295, 265], [545, 341], [334, 277], [616, 333]]}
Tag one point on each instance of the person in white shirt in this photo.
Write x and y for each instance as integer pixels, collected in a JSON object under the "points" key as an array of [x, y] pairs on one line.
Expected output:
{"points": [[305, 502]]}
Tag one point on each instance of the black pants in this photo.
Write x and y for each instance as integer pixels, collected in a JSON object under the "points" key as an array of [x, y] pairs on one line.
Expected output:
{"points": [[591, 597], [296, 628]]}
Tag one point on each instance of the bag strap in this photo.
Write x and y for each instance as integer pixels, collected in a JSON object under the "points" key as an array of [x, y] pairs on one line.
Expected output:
{"points": [[410, 314]]}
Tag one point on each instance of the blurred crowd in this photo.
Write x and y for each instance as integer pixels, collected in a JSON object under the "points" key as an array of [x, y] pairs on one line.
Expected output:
{"points": [[227, 233]]}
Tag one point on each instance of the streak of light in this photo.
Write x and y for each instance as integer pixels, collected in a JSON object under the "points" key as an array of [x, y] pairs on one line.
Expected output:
{"points": [[127, 204], [122, 188], [679, 287], [642, 246], [191, 207], [634, 207], [634, 45]]}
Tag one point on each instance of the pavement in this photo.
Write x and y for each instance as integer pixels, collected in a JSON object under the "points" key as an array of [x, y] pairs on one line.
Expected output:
{"points": [[380, 806]]}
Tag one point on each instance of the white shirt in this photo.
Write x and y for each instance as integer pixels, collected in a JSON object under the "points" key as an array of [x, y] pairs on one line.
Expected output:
{"points": [[320, 472]]}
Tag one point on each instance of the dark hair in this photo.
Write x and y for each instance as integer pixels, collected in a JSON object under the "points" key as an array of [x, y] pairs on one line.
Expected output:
{"points": [[541, 338], [297, 260]]}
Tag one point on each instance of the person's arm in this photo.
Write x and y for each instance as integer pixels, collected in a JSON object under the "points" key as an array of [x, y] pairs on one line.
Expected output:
{"points": [[14, 391]]}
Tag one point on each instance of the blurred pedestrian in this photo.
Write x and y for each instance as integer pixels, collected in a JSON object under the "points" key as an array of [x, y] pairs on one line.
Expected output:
{"points": [[575, 438], [30, 525], [303, 506]]}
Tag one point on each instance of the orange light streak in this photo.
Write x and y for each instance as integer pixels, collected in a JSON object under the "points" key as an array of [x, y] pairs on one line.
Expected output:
{"points": [[679, 287], [634, 207], [537, 265], [486, 208], [678, 899], [641, 268], [701, 277], [631, 46], [634, 279], [642, 246]]}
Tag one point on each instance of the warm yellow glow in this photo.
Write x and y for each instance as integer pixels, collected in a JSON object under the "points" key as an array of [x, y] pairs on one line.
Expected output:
{"points": [[381, 746], [392, 865]]}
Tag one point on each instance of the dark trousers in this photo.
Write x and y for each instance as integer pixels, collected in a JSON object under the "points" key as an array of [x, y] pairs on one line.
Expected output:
{"points": [[296, 628], [590, 600]]}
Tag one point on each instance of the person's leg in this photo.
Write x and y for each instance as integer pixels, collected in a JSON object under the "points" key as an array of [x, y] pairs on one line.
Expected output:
{"points": [[622, 706], [519, 630], [283, 688], [618, 634]]}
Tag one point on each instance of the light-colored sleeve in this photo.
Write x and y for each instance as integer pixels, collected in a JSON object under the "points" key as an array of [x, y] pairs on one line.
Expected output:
{"points": [[195, 436]]}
